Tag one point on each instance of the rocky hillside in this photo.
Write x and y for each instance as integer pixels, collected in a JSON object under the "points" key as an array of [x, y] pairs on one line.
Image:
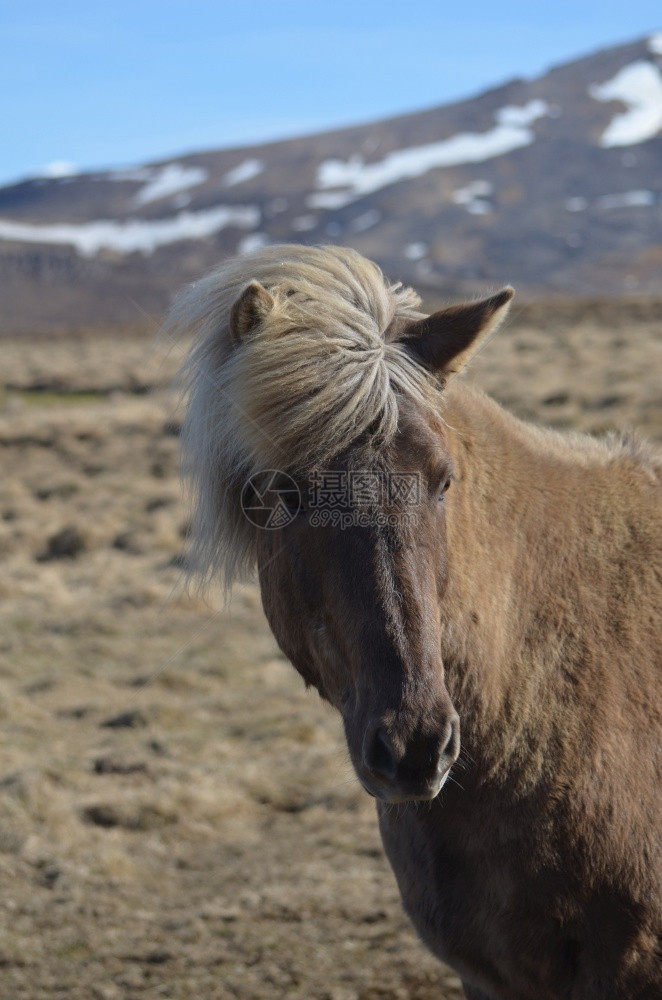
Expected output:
{"points": [[553, 184]]}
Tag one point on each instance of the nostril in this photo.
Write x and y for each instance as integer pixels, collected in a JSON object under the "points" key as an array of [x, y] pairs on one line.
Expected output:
{"points": [[451, 749], [379, 755]]}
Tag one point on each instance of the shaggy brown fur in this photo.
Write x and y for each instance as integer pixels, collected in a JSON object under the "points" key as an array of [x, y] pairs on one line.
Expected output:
{"points": [[520, 595]]}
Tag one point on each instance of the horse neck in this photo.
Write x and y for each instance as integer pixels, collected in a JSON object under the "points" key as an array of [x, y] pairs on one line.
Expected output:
{"points": [[524, 524]]}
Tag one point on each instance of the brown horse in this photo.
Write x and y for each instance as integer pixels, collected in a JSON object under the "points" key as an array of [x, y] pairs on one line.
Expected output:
{"points": [[436, 567]]}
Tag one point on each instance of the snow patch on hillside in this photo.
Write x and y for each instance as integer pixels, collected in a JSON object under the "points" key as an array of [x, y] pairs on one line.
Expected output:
{"points": [[245, 171], [473, 197], [415, 251], [623, 199], [655, 44], [331, 200], [135, 235], [162, 182], [639, 87], [254, 241], [520, 117], [59, 169], [365, 221], [359, 178], [627, 199]]}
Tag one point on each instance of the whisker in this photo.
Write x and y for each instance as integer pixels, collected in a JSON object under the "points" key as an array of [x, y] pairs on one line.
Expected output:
{"points": [[455, 782]]}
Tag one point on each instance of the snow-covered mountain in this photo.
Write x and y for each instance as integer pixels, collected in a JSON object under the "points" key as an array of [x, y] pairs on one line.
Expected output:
{"points": [[553, 184]]}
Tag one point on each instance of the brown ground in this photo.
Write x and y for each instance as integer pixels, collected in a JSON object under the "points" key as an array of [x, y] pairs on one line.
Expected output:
{"points": [[178, 818]]}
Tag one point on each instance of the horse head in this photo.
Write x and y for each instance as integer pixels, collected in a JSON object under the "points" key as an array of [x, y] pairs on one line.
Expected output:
{"points": [[336, 397]]}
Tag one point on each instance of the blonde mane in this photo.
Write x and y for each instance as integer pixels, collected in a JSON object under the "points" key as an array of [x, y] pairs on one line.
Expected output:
{"points": [[307, 382]]}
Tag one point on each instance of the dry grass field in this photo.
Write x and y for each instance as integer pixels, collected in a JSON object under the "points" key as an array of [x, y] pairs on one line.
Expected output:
{"points": [[178, 818]]}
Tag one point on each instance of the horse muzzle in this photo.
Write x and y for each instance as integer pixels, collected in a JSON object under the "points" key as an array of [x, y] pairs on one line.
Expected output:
{"points": [[396, 769]]}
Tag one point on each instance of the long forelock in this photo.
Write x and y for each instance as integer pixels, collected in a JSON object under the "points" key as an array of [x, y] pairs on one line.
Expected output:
{"points": [[314, 377]]}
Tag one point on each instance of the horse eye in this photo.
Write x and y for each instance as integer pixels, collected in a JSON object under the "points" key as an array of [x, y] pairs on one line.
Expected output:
{"points": [[445, 487]]}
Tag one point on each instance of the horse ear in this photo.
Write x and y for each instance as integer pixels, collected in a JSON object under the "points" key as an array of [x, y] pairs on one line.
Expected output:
{"points": [[446, 340], [251, 308]]}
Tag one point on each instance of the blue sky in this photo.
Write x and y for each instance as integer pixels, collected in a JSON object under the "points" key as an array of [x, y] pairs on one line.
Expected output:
{"points": [[100, 85]]}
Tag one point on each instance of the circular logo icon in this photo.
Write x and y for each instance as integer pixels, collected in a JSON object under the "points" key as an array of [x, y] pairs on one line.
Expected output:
{"points": [[270, 499]]}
